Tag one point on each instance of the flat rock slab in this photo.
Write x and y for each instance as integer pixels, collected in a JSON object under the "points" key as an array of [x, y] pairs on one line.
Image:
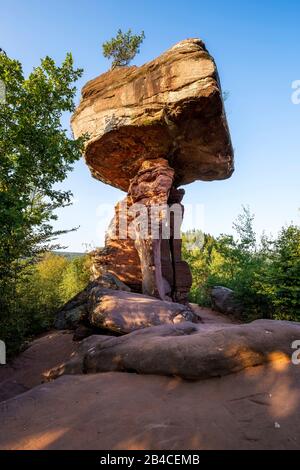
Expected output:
{"points": [[258, 408], [52, 349], [26, 370], [187, 350], [171, 106]]}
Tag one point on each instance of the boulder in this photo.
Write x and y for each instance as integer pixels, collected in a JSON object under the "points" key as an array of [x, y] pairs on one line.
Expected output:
{"points": [[118, 311], [75, 311], [171, 106], [223, 300], [124, 312], [187, 350], [109, 280]]}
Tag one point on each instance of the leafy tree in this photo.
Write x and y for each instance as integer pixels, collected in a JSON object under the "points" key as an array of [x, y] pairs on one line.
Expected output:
{"points": [[280, 282], [49, 273], [41, 288], [76, 277], [198, 249], [123, 48], [265, 276], [244, 228], [35, 154]]}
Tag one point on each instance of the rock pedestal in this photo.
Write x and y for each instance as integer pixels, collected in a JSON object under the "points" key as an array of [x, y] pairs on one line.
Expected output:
{"points": [[143, 245], [150, 130]]}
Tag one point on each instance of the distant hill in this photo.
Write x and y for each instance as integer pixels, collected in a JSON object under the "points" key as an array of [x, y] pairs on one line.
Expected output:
{"points": [[69, 254]]}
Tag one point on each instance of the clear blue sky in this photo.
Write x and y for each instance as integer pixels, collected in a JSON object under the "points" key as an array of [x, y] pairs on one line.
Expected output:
{"points": [[256, 47]]}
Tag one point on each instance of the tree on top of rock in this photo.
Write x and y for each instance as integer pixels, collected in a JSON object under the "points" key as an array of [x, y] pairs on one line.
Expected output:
{"points": [[123, 48]]}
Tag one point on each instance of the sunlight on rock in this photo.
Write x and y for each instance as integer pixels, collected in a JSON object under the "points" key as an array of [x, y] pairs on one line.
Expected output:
{"points": [[41, 440], [285, 398], [278, 360]]}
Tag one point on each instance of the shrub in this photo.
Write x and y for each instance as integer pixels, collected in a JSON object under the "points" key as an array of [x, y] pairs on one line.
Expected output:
{"points": [[41, 288], [265, 276], [75, 278]]}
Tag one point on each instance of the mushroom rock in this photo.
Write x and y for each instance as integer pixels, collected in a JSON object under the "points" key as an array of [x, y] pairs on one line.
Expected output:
{"points": [[152, 129]]}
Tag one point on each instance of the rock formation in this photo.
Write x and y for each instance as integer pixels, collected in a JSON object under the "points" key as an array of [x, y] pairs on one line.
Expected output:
{"points": [[251, 400], [187, 350], [152, 129], [223, 300], [108, 304]]}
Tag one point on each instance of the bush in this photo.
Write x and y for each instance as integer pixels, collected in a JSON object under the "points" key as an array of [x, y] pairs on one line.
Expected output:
{"points": [[265, 276], [280, 281], [40, 289], [75, 278]]}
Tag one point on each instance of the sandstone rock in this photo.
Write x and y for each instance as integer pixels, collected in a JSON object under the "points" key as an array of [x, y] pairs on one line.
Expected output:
{"points": [[223, 300], [109, 280], [171, 106], [150, 264], [187, 350], [119, 256], [164, 274], [75, 311], [26, 370], [151, 129], [82, 332], [125, 312], [72, 313], [118, 310], [129, 411]]}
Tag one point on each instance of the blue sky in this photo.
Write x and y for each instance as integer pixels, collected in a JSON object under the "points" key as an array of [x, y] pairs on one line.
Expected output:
{"points": [[256, 47]]}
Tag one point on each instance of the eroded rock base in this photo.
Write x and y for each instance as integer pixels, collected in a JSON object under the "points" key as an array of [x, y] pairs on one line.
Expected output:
{"points": [[143, 242]]}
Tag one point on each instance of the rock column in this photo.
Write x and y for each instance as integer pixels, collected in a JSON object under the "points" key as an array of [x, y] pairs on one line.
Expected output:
{"points": [[149, 192], [143, 244], [158, 242]]}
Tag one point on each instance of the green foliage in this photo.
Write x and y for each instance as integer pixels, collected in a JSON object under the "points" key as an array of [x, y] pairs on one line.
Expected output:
{"points": [[123, 48], [198, 250], [280, 280], [75, 279], [265, 276], [35, 154], [41, 289]]}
